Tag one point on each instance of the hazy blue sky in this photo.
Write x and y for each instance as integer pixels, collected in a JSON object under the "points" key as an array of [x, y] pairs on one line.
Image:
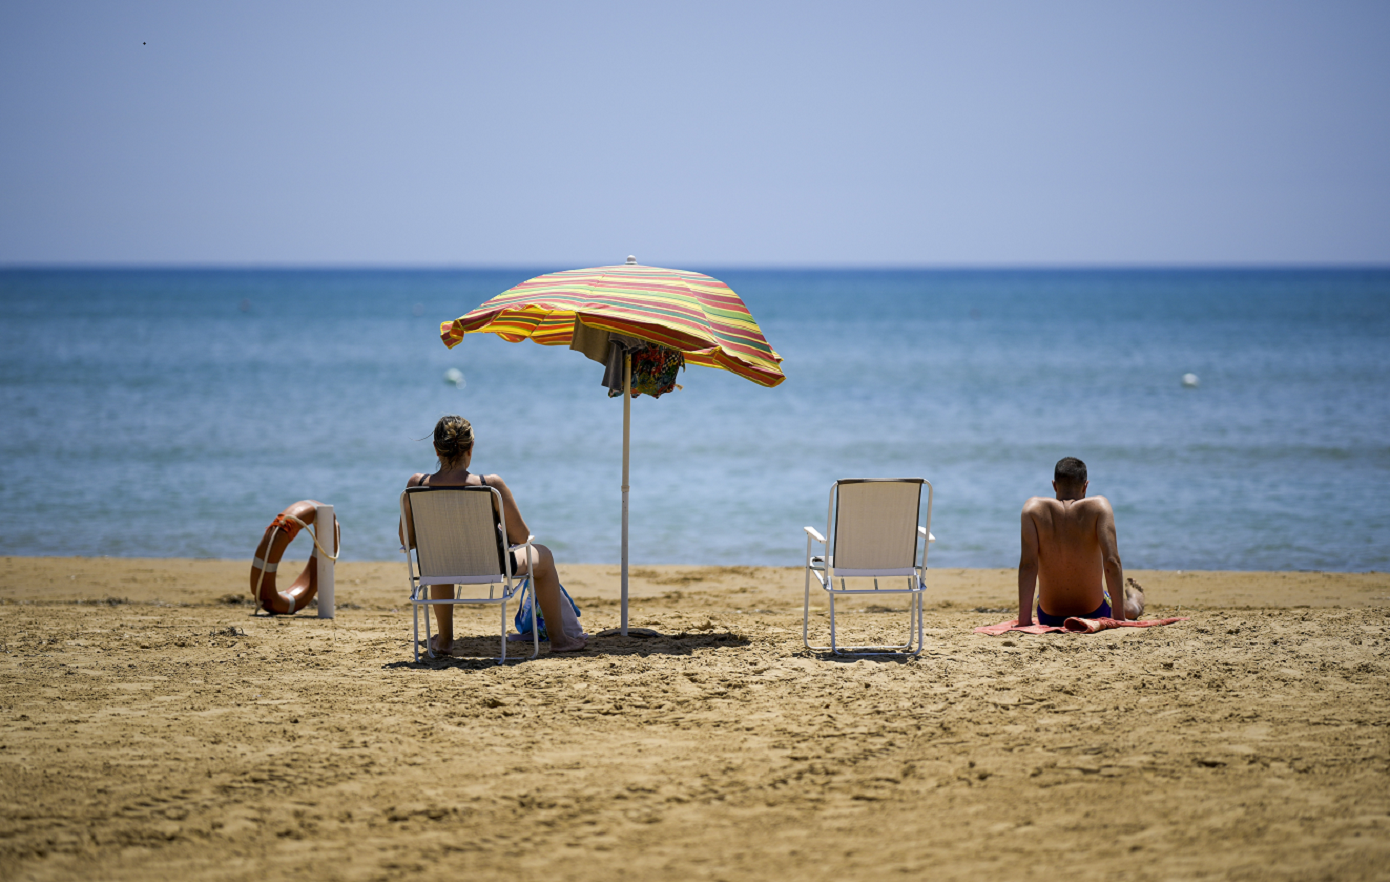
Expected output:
{"points": [[701, 134]]}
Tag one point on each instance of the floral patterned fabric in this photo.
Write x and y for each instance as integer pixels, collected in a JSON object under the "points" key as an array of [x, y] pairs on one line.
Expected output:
{"points": [[654, 370]]}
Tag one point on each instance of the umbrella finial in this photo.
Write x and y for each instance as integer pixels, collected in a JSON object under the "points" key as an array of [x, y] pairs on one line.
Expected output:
{"points": [[631, 261]]}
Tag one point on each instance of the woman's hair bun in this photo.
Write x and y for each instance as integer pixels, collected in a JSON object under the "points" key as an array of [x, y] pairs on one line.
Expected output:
{"points": [[453, 437]]}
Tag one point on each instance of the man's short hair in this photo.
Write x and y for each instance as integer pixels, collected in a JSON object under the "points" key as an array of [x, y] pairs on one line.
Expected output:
{"points": [[1070, 472]]}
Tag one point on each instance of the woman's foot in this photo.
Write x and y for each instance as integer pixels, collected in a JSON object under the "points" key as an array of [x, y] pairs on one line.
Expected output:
{"points": [[440, 648], [568, 645]]}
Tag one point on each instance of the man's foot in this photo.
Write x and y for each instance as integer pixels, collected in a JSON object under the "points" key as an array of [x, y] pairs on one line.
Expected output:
{"points": [[440, 648], [569, 645], [1134, 600]]}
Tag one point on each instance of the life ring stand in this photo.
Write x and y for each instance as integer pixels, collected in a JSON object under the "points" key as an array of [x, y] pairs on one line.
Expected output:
{"points": [[278, 536]]}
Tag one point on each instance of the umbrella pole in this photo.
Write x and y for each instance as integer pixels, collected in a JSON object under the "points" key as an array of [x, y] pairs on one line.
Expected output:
{"points": [[627, 441], [627, 436], [627, 429]]}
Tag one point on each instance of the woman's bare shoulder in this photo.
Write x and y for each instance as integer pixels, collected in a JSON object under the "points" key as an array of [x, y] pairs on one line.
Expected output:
{"points": [[415, 479], [496, 481]]}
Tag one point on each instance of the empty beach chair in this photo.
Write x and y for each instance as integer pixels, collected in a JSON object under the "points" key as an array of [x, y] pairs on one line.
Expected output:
{"points": [[460, 540], [872, 534]]}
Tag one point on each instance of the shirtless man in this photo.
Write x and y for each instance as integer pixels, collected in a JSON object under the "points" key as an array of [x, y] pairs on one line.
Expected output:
{"points": [[1068, 542]]}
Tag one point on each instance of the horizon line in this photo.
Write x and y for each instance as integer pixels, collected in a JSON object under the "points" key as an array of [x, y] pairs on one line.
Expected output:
{"points": [[316, 266]]}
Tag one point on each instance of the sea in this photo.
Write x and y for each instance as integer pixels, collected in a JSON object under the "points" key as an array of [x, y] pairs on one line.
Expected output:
{"points": [[174, 413]]}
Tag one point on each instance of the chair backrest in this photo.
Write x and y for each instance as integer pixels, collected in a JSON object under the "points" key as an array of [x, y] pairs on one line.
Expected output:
{"points": [[874, 524], [458, 534]]}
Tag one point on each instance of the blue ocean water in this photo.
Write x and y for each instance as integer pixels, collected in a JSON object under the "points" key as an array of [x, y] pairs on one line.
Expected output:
{"points": [[174, 413]]}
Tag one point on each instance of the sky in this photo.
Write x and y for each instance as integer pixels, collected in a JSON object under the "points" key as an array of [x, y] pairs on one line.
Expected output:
{"points": [[700, 134]]}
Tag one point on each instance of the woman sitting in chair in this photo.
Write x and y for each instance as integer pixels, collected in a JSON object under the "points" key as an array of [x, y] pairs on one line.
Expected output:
{"points": [[453, 444]]}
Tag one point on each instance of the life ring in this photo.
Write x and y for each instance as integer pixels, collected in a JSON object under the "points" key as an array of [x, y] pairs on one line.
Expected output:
{"points": [[278, 536]]}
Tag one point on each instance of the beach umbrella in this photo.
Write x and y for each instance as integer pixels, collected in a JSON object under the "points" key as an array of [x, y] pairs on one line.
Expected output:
{"points": [[695, 314]]}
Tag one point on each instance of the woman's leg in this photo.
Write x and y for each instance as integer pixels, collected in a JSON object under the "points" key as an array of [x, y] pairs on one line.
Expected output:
{"points": [[443, 617], [547, 583]]}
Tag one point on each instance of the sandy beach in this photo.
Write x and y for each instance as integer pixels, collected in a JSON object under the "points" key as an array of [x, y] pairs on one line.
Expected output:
{"points": [[154, 728]]}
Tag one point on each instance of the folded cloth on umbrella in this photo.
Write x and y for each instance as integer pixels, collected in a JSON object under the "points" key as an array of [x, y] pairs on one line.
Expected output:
{"points": [[1074, 625], [608, 349], [654, 370], [618, 346], [593, 342]]}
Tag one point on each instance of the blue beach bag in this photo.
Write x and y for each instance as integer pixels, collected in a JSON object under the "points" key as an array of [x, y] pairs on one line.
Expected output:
{"points": [[522, 621]]}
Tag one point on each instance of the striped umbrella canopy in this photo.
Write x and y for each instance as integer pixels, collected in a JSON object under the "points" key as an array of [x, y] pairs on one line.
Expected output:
{"points": [[693, 313], [699, 315]]}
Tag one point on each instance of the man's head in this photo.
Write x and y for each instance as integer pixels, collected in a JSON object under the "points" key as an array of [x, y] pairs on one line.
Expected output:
{"points": [[1069, 478]]}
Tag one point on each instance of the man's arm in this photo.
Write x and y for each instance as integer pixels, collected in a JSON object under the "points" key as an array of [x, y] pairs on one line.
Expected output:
{"points": [[1027, 566], [1110, 556]]}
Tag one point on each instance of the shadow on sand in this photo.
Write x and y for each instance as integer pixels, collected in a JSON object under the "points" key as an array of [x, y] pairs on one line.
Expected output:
{"points": [[476, 653]]}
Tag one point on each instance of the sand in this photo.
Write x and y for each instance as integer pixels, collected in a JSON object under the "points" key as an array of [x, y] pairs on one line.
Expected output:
{"points": [[153, 728]]}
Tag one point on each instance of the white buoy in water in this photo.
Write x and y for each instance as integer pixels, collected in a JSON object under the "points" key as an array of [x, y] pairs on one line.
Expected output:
{"points": [[1190, 381], [454, 377]]}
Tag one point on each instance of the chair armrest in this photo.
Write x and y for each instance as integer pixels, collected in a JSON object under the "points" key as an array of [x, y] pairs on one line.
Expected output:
{"points": [[922, 531], [814, 534], [530, 540]]}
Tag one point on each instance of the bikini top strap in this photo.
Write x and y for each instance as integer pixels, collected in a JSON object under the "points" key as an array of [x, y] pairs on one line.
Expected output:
{"points": [[425, 481]]}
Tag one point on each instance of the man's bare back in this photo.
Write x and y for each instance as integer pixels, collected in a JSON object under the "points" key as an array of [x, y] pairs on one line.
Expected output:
{"points": [[1068, 546]]}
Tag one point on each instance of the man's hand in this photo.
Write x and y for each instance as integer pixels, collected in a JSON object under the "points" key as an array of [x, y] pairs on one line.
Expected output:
{"points": [[1110, 557]]}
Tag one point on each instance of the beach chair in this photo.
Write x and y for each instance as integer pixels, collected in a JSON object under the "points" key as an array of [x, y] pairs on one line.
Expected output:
{"points": [[872, 533], [460, 540]]}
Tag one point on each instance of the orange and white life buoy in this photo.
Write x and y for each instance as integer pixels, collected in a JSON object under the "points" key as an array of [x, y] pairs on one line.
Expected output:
{"points": [[278, 536]]}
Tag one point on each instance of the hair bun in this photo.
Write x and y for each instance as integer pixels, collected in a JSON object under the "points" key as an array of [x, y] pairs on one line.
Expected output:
{"points": [[453, 437]]}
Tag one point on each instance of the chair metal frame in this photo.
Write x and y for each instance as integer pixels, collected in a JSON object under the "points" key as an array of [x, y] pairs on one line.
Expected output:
{"points": [[826, 573], [496, 573]]}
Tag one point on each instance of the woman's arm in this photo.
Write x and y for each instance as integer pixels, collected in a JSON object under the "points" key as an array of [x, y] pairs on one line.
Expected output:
{"points": [[414, 481], [517, 530]]}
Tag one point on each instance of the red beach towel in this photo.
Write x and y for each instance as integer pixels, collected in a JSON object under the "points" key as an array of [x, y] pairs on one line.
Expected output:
{"points": [[1072, 625]]}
